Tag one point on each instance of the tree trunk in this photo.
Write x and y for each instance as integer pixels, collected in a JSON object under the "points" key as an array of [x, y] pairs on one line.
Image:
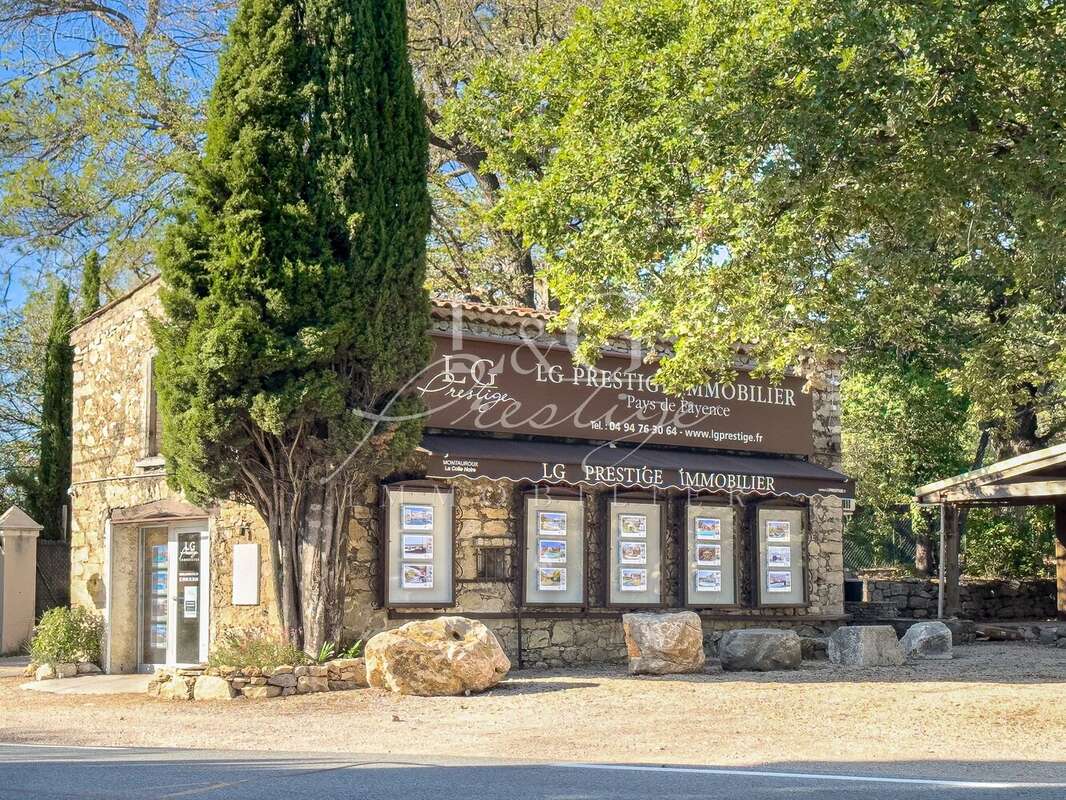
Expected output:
{"points": [[922, 527], [310, 545]]}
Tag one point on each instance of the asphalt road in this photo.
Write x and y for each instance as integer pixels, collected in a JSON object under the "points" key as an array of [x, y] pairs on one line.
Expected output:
{"points": [[29, 772]]}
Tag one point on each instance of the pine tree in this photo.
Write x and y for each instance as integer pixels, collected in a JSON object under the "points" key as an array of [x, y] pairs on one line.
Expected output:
{"points": [[294, 286], [90, 285]]}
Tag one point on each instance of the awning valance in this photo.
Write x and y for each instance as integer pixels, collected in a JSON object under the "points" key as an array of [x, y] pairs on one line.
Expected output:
{"points": [[634, 467]]}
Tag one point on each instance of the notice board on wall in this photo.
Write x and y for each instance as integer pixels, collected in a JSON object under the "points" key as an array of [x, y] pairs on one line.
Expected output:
{"points": [[554, 572], [781, 572], [635, 554], [419, 548], [709, 537]]}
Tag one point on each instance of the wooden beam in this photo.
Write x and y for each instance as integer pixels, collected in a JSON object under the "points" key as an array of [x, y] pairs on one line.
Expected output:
{"points": [[1060, 558], [1029, 490], [950, 554]]}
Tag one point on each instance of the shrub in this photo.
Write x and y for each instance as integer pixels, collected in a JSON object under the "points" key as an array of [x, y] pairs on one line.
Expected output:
{"points": [[1010, 543], [242, 648], [67, 635]]}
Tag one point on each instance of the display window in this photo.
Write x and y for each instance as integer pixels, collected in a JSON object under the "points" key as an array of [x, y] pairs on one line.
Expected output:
{"points": [[634, 553], [710, 553], [781, 568], [553, 572], [419, 546]]}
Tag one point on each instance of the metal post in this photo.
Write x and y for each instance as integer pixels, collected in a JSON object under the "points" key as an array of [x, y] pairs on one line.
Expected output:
{"points": [[941, 565]]}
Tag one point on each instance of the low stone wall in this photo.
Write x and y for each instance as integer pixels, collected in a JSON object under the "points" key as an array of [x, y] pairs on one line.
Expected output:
{"points": [[228, 683], [979, 599], [551, 642]]}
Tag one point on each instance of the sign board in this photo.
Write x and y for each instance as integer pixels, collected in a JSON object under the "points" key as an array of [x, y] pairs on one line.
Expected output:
{"points": [[527, 388]]}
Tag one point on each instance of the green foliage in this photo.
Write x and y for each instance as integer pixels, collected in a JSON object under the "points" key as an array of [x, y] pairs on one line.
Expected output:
{"points": [[353, 650], [294, 271], [800, 175], [325, 653], [239, 648], [1010, 543], [469, 252], [45, 489], [67, 635], [294, 276], [902, 427], [90, 284]]}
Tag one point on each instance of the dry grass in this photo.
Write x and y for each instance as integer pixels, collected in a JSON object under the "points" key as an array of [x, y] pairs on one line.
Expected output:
{"points": [[994, 702]]}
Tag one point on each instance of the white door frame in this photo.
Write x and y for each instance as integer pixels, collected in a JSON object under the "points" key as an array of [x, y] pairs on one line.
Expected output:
{"points": [[203, 600]]}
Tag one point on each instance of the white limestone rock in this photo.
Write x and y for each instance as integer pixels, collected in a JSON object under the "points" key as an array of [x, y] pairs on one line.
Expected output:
{"points": [[865, 646], [442, 656], [664, 643], [927, 640]]}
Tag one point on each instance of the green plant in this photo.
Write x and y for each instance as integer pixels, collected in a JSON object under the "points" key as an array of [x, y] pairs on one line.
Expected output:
{"points": [[325, 653], [67, 635], [241, 648], [353, 650]]}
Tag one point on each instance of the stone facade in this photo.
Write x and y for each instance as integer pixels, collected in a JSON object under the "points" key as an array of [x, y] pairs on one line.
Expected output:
{"points": [[113, 470], [979, 599]]}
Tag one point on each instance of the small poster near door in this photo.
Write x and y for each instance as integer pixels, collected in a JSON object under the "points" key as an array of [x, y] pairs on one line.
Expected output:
{"points": [[189, 602]]}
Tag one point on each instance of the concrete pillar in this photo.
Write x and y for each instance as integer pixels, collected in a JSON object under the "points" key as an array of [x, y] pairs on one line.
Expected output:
{"points": [[18, 578]]}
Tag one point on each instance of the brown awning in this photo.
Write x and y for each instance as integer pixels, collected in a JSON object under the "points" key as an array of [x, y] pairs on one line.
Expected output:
{"points": [[636, 467], [170, 510]]}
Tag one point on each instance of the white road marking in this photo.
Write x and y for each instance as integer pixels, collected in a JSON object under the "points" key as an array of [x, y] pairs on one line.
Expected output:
{"points": [[818, 776], [69, 746]]}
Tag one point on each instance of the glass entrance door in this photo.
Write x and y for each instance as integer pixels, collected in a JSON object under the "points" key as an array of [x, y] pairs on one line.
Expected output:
{"points": [[173, 584]]}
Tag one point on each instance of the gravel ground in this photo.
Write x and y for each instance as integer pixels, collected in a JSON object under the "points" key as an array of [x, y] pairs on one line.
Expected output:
{"points": [[993, 702]]}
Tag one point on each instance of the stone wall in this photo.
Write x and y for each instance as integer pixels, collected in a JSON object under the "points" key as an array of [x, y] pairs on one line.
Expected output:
{"points": [[981, 600], [489, 515], [111, 470]]}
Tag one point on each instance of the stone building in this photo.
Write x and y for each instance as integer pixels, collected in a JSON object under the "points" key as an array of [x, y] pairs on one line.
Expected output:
{"points": [[545, 500]]}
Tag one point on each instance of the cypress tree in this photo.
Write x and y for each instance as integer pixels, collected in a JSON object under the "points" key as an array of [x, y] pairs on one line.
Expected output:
{"points": [[90, 285], [294, 286], [53, 467]]}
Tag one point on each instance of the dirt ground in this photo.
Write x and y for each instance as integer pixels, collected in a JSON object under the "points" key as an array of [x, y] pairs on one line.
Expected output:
{"points": [[993, 702]]}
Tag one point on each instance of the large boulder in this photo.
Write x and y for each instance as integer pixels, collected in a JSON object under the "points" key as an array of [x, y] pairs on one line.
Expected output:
{"points": [[865, 646], [927, 640], [761, 649], [442, 656], [664, 644]]}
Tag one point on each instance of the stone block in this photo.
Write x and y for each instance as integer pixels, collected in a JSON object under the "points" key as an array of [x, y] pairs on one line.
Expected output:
{"points": [[66, 670], [339, 686], [664, 643], [308, 684], [211, 687], [45, 672], [177, 688], [318, 671], [260, 692], [284, 680], [760, 649], [930, 640], [88, 668], [865, 646]]}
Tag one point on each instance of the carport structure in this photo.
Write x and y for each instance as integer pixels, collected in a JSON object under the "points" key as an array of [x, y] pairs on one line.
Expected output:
{"points": [[1036, 478]]}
